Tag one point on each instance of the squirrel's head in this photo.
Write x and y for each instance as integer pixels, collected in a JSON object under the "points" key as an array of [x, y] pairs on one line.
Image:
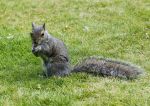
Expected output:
{"points": [[37, 36], [37, 33]]}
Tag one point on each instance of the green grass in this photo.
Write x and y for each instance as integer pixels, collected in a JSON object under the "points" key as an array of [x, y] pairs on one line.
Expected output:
{"points": [[117, 29]]}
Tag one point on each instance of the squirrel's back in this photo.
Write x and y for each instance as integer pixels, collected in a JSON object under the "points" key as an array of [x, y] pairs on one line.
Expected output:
{"points": [[108, 67]]}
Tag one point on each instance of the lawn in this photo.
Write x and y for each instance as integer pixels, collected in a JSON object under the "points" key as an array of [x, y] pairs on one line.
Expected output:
{"points": [[118, 29]]}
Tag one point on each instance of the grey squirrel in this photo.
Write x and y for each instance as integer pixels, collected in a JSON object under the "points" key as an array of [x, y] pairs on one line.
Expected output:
{"points": [[56, 61]]}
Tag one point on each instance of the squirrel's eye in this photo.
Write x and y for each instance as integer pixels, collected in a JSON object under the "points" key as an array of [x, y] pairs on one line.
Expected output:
{"points": [[42, 34]]}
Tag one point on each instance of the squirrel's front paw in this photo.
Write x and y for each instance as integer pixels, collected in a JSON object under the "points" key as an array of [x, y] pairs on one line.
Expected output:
{"points": [[36, 50]]}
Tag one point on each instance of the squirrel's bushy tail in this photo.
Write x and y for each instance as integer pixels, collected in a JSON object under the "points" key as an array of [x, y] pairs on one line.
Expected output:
{"points": [[108, 67]]}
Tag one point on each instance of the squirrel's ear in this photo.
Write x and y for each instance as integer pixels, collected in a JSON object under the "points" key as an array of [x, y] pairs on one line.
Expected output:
{"points": [[44, 26], [33, 25]]}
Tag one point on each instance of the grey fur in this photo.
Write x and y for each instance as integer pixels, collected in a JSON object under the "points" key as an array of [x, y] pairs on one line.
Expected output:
{"points": [[108, 67], [56, 61], [52, 51]]}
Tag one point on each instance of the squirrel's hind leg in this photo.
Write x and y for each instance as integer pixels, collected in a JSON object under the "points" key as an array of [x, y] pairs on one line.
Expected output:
{"points": [[58, 69]]}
